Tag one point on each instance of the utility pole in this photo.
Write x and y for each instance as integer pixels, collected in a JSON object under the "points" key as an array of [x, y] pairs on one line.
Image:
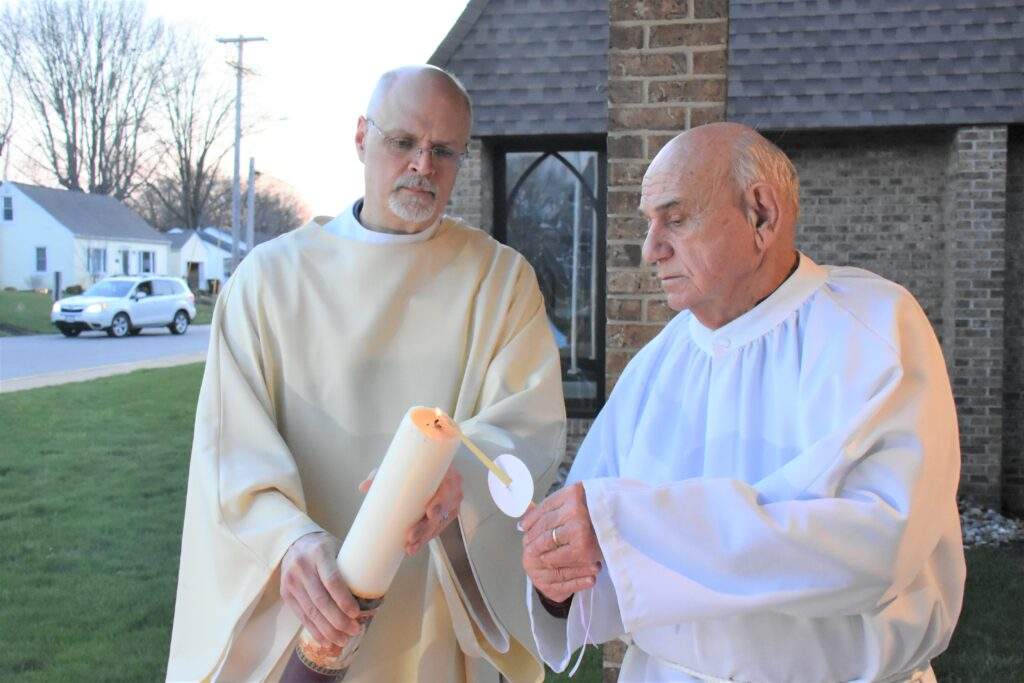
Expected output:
{"points": [[250, 207], [236, 222]]}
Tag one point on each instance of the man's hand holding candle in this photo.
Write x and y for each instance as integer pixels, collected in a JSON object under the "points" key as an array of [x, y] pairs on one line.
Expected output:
{"points": [[561, 554], [442, 509], [312, 587]]}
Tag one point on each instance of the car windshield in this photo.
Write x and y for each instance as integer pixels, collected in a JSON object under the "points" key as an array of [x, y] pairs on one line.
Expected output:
{"points": [[109, 288]]}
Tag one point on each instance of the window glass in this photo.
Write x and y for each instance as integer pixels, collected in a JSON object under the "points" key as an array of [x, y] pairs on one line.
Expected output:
{"points": [[8, 208], [97, 261], [114, 288], [163, 288], [553, 219], [40, 259]]}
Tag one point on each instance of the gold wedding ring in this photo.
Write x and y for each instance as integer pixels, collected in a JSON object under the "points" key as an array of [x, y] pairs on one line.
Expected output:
{"points": [[554, 536]]}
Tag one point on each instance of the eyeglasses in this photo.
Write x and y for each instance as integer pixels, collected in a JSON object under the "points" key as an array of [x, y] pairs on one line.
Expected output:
{"points": [[405, 147]]}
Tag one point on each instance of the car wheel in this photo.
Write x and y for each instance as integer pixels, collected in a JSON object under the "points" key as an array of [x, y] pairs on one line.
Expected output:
{"points": [[70, 331], [180, 323], [120, 326]]}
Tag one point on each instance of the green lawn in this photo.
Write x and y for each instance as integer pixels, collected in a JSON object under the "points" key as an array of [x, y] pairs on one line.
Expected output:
{"points": [[988, 644], [29, 313], [204, 313], [25, 313], [92, 489]]}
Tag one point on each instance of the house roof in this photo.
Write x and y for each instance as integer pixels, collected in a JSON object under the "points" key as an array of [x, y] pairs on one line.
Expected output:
{"points": [[532, 67], [219, 243], [859, 63], [92, 215], [179, 236]]}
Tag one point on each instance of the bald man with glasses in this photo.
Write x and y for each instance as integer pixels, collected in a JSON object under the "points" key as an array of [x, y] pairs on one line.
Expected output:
{"points": [[321, 341]]}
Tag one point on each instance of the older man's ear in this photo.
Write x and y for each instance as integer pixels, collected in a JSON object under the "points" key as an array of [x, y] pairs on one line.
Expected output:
{"points": [[360, 138], [763, 213]]}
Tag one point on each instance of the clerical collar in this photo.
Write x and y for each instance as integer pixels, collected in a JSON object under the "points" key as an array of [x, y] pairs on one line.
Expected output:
{"points": [[767, 314], [347, 226]]}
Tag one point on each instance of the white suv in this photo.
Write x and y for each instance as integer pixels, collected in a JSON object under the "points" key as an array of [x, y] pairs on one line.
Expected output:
{"points": [[124, 305]]}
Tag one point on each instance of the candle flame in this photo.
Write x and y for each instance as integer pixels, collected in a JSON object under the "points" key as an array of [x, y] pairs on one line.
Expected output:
{"points": [[487, 462]]}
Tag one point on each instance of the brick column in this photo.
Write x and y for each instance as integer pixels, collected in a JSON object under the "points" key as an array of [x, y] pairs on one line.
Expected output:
{"points": [[974, 208], [1013, 378], [472, 197], [666, 73]]}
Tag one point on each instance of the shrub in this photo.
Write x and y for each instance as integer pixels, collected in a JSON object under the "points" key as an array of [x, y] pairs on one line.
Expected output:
{"points": [[73, 290]]}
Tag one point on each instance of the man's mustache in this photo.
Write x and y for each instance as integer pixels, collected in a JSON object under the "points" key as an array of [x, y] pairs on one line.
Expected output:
{"points": [[416, 182]]}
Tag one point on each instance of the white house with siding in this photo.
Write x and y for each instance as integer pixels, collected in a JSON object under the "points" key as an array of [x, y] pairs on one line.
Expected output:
{"points": [[201, 256], [83, 236]]}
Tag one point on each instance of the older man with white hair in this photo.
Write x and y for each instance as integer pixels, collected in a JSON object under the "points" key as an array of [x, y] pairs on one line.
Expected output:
{"points": [[769, 493], [320, 343]]}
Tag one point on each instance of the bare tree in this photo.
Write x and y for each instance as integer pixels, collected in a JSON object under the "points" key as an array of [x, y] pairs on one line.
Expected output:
{"points": [[195, 115], [89, 70], [155, 202], [9, 49], [278, 208]]}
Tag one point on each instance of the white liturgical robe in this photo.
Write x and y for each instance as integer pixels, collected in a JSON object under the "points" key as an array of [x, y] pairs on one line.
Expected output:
{"points": [[775, 499], [320, 343]]}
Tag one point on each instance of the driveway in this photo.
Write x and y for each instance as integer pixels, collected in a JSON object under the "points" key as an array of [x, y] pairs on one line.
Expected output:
{"points": [[42, 360]]}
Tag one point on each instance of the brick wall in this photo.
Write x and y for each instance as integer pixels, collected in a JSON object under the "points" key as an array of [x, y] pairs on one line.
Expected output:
{"points": [[924, 209], [1013, 377], [666, 73], [974, 222], [472, 197], [874, 200]]}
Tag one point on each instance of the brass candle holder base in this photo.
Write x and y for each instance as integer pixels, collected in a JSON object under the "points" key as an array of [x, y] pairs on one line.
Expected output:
{"points": [[315, 663]]}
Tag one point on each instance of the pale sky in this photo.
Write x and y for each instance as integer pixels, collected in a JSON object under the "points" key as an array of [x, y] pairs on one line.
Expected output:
{"points": [[313, 78]]}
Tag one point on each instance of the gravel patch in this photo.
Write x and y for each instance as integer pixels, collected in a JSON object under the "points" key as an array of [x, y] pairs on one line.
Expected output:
{"points": [[982, 526]]}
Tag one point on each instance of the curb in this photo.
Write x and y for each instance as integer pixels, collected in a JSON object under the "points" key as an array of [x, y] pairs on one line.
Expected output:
{"points": [[84, 374]]}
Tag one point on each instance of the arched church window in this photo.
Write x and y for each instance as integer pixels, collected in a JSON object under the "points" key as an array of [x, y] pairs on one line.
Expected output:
{"points": [[554, 214]]}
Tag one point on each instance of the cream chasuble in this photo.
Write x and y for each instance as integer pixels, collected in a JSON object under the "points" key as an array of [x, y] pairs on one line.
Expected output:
{"points": [[775, 499], [320, 343]]}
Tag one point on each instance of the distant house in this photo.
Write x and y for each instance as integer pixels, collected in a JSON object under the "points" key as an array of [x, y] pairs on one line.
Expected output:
{"points": [[83, 236], [202, 257]]}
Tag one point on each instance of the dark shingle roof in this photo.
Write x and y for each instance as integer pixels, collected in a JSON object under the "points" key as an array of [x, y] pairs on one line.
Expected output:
{"points": [[92, 215], [857, 63], [532, 67], [178, 237], [219, 243]]}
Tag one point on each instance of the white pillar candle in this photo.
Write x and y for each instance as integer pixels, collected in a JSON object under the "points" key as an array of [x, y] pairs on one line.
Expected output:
{"points": [[413, 467], [408, 477]]}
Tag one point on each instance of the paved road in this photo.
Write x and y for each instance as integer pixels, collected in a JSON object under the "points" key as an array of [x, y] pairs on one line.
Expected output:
{"points": [[38, 360]]}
